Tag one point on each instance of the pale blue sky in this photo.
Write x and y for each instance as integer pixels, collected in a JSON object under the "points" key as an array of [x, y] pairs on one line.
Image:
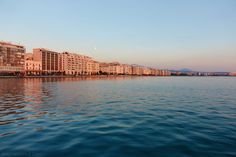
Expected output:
{"points": [[173, 34]]}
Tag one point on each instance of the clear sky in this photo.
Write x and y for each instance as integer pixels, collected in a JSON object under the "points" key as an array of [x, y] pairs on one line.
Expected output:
{"points": [[172, 34]]}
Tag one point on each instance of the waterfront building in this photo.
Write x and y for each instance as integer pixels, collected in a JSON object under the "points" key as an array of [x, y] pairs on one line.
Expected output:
{"points": [[165, 73], [86, 65], [114, 68], [146, 71], [32, 67], [95, 68], [127, 69], [137, 70], [104, 68], [11, 58], [71, 63], [154, 72], [232, 74], [50, 60], [76, 64]]}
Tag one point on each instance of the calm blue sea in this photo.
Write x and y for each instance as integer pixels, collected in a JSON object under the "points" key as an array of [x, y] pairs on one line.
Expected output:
{"points": [[118, 117]]}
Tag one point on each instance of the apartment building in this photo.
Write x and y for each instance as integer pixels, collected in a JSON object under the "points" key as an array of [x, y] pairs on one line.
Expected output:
{"points": [[114, 68], [32, 67], [11, 58], [127, 69], [76, 64], [104, 68], [50, 60], [146, 71], [71, 63], [137, 70], [95, 68], [165, 73], [86, 65], [154, 72], [232, 74]]}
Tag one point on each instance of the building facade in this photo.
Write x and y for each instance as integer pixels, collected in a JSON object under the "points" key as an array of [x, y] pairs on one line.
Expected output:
{"points": [[50, 60], [164, 73], [32, 67], [104, 68], [127, 69], [146, 71], [71, 63], [137, 70], [76, 64], [232, 74], [95, 68], [12, 58], [114, 68], [86, 65]]}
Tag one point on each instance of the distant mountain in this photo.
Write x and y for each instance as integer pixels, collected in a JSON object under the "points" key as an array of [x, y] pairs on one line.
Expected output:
{"points": [[185, 70]]}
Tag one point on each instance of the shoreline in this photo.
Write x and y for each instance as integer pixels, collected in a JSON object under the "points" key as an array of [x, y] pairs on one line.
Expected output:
{"points": [[99, 76]]}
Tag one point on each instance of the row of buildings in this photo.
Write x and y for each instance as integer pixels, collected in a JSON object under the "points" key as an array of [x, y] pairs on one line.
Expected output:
{"points": [[116, 68], [197, 73], [15, 60], [232, 74]]}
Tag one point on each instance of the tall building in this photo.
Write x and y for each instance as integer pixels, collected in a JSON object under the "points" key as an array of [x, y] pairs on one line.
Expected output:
{"points": [[137, 70], [87, 65], [76, 64], [127, 69], [95, 68], [11, 57], [50, 60], [114, 68], [104, 68], [154, 72], [146, 71], [71, 63]]}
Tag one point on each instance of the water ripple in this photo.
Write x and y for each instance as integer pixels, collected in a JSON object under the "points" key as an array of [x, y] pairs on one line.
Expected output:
{"points": [[120, 116]]}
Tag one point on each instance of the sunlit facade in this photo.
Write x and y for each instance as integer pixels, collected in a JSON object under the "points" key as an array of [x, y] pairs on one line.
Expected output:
{"points": [[232, 74], [46, 62], [127, 69], [32, 67], [11, 57], [76, 64], [137, 70], [114, 68], [71, 63], [49, 60]]}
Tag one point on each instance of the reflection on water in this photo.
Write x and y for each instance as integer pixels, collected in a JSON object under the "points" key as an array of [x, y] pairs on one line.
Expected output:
{"points": [[18, 96], [15, 97], [118, 116]]}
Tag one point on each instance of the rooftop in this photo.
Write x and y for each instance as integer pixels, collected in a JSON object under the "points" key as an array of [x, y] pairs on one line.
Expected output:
{"points": [[3, 43]]}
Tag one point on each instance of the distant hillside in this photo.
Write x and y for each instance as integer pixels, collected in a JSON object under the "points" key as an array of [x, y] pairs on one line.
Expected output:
{"points": [[185, 70]]}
